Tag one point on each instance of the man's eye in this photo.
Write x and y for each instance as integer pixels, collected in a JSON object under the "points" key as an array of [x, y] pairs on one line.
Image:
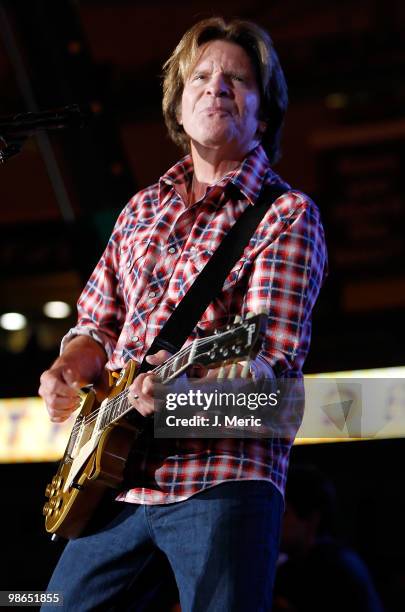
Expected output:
{"points": [[237, 77], [198, 76]]}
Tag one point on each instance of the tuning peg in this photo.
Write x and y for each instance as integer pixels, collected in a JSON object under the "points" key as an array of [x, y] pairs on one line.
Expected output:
{"points": [[233, 371], [237, 319], [246, 370], [250, 315]]}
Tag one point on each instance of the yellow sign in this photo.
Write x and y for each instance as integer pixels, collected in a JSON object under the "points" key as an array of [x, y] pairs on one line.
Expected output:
{"points": [[27, 434]]}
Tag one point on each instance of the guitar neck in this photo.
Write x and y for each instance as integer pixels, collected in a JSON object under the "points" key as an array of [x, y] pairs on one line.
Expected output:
{"points": [[236, 342]]}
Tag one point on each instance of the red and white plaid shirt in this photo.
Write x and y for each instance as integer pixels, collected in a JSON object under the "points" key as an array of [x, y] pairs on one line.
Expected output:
{"points": [[157, 248]]}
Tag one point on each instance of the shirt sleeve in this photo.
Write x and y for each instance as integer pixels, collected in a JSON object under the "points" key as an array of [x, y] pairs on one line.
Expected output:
{"points": [[285, 281], [101, 308]]}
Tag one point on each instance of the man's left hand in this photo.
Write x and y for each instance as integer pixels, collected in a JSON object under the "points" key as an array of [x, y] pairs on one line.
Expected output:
{"points": [[140, 392]]}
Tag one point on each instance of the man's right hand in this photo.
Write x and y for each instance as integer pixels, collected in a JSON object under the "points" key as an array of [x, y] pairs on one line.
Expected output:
{"points": [[81, 363], [59, 388]]}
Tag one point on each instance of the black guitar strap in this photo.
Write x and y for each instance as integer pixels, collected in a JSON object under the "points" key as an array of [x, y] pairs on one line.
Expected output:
{"points": [[209, 282]]}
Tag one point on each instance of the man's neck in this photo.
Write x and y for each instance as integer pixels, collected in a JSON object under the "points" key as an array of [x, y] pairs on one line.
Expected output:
{"points": [[210, 165]]}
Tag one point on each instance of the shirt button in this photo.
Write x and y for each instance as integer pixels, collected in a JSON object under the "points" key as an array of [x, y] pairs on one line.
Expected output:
{"points": [[171, 250], [152, 294], [134, 338]]}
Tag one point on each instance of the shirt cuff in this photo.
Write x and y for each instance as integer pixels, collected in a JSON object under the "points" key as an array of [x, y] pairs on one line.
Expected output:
{"points": [[91, 333]]}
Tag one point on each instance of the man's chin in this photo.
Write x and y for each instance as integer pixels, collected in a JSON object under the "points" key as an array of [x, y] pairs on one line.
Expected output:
{"points": [[217, 140]]}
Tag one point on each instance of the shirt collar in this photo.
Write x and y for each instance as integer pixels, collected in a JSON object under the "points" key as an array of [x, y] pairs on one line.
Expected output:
{"points": [[251, 174], [248, 178]]}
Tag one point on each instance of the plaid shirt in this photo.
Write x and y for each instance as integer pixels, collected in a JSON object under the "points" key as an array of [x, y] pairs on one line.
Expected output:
{"points": [[156, 250]]}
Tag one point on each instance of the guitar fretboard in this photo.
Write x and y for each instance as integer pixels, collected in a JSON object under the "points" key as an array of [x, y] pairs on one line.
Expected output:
{"points": [[234, 343]]}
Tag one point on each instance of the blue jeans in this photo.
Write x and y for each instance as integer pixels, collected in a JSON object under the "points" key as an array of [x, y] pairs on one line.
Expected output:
{"points": [[221, 544]]}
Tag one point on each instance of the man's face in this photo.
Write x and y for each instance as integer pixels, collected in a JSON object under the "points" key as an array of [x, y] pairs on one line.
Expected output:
{"points": [[220, 101]]}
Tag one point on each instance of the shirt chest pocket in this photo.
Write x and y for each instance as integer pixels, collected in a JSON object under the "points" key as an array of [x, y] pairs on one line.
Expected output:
{"points": [[131, 264], [198, 259]]}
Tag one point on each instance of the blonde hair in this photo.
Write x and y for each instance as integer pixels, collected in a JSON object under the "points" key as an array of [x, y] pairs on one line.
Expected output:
{"points": [[270, 78]]}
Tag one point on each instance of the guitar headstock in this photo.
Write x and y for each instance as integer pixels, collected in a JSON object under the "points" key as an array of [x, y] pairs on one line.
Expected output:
{"points": [[237, 342]]}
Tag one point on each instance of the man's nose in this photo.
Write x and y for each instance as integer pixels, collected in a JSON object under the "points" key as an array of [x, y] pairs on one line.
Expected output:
{"points": [[219, 85]]}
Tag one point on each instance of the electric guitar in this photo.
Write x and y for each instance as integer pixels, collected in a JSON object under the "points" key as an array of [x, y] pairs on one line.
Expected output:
{"points": [[104, 433]]}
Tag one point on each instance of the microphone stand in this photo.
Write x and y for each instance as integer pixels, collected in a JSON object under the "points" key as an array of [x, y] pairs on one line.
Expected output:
{"points": [[15, 129]]}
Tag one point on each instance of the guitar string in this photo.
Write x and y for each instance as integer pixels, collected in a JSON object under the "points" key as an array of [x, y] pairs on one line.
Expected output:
{"points": [[120, 396]]}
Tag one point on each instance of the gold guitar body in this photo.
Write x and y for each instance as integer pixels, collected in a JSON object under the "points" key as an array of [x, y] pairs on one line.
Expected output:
{"points": [[71, 504]]}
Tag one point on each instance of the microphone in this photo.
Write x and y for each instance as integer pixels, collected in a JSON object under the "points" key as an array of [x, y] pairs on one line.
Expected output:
{"points": [[24, 124]]}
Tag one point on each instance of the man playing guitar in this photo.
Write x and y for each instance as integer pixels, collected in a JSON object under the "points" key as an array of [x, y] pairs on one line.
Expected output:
{"points": [[211, 507]]}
